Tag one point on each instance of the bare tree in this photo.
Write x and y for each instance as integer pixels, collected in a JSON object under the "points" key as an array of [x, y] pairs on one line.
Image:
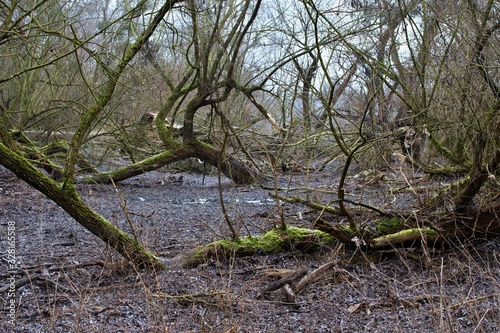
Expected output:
{"points": [[85, 67]]}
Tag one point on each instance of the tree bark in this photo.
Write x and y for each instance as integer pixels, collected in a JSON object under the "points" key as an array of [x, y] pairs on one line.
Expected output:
{"points": [[474, 184], [231, 167], [476, 223], [148, 164]]}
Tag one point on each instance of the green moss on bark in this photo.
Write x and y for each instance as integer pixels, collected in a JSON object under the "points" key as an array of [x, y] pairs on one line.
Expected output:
{"points": [[276, 240]]}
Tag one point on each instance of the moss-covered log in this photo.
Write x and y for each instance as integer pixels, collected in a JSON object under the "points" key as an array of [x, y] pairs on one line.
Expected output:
{"points": [[148, 164], [483, 223], [404, 236], [388, 225], [276, 240], [389, 230]]}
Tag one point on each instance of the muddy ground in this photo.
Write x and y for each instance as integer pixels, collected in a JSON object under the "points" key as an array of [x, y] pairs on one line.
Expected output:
{"points": [[80, 285]]}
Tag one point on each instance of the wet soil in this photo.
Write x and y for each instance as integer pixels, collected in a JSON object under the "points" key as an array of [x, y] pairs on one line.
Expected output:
{"points": [[80, 285]]}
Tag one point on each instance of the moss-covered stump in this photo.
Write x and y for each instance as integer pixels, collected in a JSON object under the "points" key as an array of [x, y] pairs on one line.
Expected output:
{"points": [[274, 241]]}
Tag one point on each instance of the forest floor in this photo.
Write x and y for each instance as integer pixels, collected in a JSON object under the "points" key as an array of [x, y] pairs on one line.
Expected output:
{"points": [[78, 284]]}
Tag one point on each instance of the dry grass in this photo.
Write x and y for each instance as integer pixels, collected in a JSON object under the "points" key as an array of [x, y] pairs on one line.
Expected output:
{"points": [[458, 291]]}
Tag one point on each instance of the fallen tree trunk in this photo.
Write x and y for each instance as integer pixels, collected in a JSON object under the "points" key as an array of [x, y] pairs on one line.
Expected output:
{"points": [[148, 164], [483, 223], [405, 236], [230, 167], [390, 230], [276, 240], [70, 201]]}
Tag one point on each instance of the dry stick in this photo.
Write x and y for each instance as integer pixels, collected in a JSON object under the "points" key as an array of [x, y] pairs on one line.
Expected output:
{"points": [[21, 282], [427, 261], [306, 280], [32, 277], [287, 279], [52, 268], [123, 206], [278, 272], [375, 209], [296, 199], [290, 294], [408, 183], [313, 276], [234, 233], [191, 298], [55, 284], [409, 301], [288, 189], [406, 302], [327, 208], [82, 265], [473, 300]]}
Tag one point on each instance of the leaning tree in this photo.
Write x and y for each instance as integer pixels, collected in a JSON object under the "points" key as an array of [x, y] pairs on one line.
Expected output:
{"points": [[68, 71], [41, 45]]}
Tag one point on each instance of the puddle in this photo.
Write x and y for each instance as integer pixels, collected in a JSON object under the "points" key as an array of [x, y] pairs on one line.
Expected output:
{"points": [[204, 201]]}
